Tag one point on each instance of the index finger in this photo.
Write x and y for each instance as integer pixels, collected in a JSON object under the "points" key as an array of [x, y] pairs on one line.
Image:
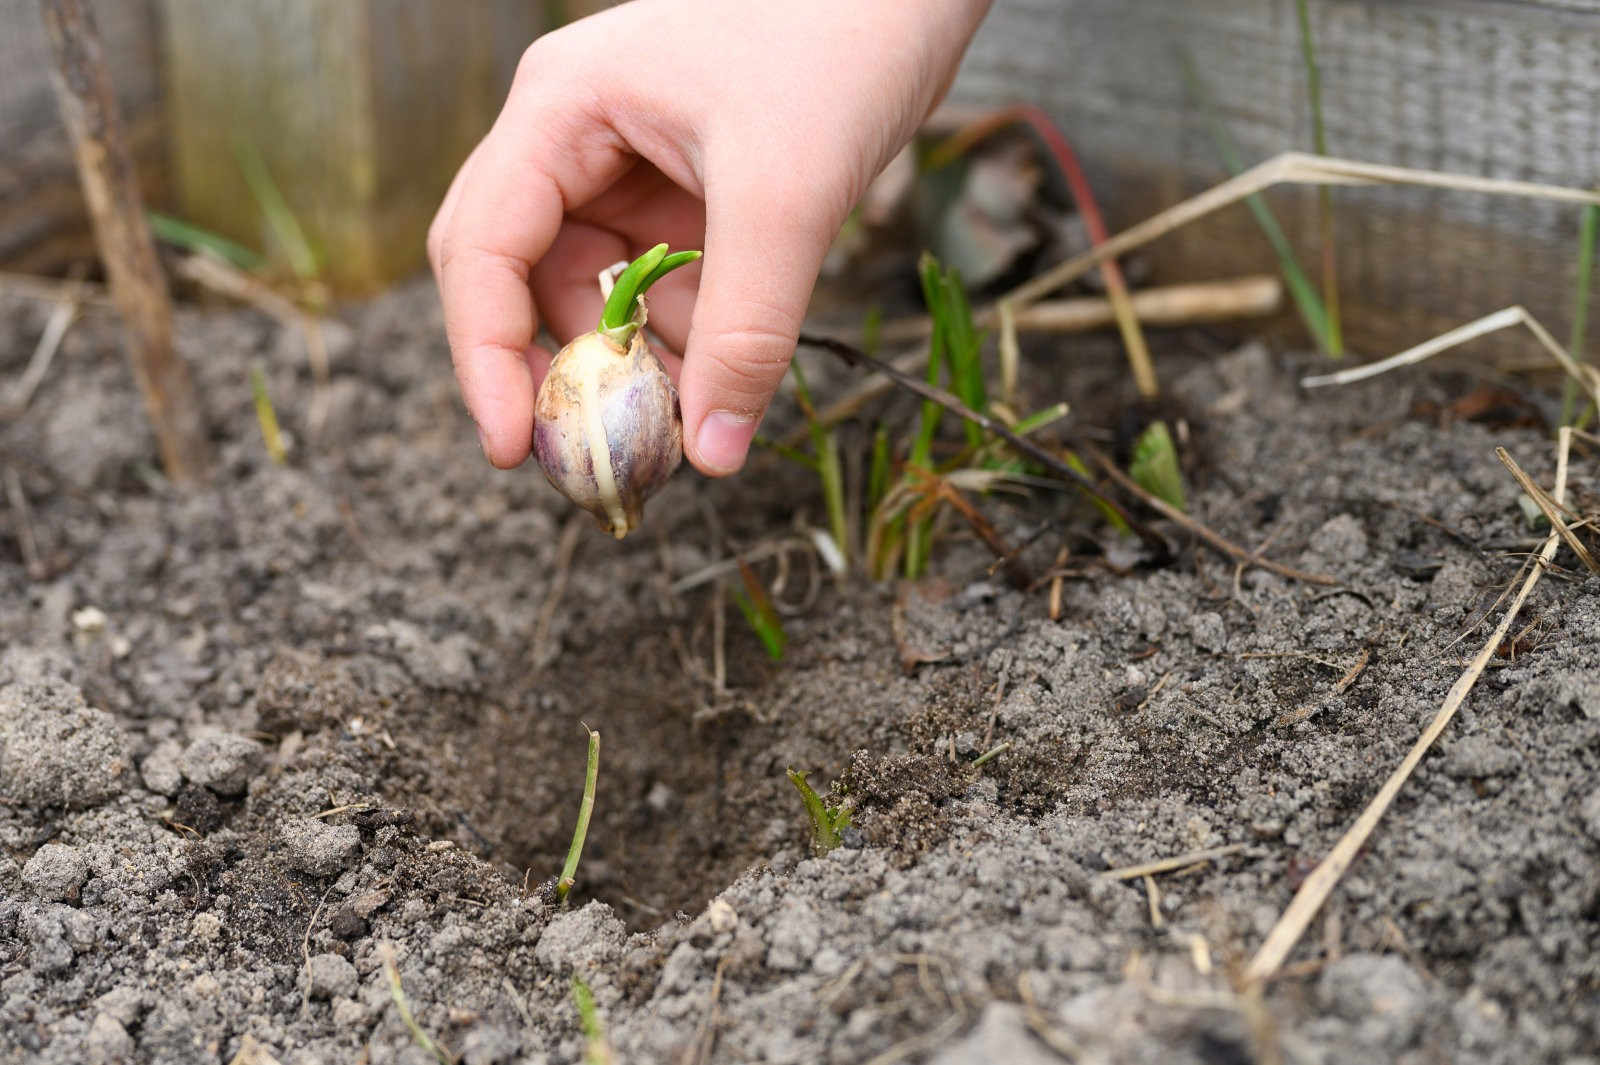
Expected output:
{"points": [[538, 160]]}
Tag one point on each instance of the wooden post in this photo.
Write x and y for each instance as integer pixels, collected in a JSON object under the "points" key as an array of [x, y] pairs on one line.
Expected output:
{"points": [[105, 168]]}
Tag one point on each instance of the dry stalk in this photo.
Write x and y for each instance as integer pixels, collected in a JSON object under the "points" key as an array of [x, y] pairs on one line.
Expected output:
{"points": [[1586, 376], [1298, 168], [1167, 865], [106, 171], [1549, 507], [1320, 884]]}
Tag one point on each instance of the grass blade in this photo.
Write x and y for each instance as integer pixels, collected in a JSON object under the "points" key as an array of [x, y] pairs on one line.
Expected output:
{"points": [[591, 776], [267, 417], [1580, 306], [191, 237], [757, 609], [280, 217], [829, 466], [1319, 140], [1301, 290]]}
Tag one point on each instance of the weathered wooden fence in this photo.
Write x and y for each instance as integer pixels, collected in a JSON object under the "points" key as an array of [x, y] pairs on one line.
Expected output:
{"points": [[362, 110], [1507, 89]]}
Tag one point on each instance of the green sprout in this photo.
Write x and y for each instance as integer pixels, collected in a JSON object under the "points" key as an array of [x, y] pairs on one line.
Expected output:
{"points": [[825, 442], [827, 823], [1155, 464], [271, 435], [621, 317], [1319, 141], [1580, 306], [569, 871], [596, 1047], [757, 608]]}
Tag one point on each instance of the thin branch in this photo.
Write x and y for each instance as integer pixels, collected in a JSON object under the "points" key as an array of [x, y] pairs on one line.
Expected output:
{"points": [[1205, 532]]}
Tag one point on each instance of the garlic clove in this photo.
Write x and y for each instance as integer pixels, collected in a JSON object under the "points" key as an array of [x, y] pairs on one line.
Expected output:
{"points": [[607, 430]]}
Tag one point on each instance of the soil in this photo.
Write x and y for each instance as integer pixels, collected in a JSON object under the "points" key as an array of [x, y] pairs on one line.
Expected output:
{"points": [[258, 737]]}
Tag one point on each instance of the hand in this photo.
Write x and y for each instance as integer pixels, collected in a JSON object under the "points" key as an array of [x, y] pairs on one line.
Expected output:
{"points": [[747, 129]]}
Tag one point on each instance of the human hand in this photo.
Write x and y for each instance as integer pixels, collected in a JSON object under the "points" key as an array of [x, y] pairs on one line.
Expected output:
{"points": [[747, 129]]}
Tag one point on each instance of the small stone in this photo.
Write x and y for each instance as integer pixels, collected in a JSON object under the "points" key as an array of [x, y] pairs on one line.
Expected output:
{"points": [[1477, 757], [348, 925], [221, 761], [318, 848], [1589, 813], [160, 770], [56, 872], [490, 1044], [1380, 994], [348, 1013], [331, 976], [108, 1042], [125, 1003], [721, 916], [1207, 631], [1000, 1035], [1341, 538], [205, 926], [581, 940], [796, 935], [55, 750]]}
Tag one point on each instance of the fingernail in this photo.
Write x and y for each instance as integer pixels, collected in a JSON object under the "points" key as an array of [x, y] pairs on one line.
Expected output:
{"points": [[483, 440], [724, 440]]}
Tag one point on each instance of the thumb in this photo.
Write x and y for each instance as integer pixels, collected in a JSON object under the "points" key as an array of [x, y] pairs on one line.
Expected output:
{"points": [[763, 252]]}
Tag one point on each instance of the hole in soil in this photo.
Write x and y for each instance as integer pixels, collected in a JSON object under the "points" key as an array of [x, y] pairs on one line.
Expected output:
{"points": [[677, 814]]}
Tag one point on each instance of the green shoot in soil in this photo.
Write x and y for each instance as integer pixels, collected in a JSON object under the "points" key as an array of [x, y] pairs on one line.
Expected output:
{"points": [[270, 433], [1319, 140], [1580, 306], [596, 1048], [828, 465], [280, 217], [1155, 464], [1300, 287], [756, 606], [177, 232], [826, 823], [403, 1007], [591, 776]]}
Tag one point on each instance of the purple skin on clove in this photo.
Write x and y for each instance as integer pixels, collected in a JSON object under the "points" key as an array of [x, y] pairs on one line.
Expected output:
{"points": [[607, 430]]}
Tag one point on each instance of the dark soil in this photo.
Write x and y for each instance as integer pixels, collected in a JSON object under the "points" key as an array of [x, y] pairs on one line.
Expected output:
{"points": [[253, 736]]}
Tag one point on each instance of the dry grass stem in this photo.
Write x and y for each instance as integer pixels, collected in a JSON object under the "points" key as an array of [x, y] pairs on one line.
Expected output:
{"points": [[89, 109], [1585, 376], [1167, 865], [1344, 682], [1298, 168], [1549, 507], [17, 499], [44, 353], [1252, 296], [1320, 884]]}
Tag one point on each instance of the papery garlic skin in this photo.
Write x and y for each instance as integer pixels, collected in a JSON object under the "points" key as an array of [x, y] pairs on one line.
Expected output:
{"points": [[607, 429]]}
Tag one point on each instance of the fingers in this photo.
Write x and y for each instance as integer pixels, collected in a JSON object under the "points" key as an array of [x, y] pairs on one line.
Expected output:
{"points": [[764, 247], [501, 218]]}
